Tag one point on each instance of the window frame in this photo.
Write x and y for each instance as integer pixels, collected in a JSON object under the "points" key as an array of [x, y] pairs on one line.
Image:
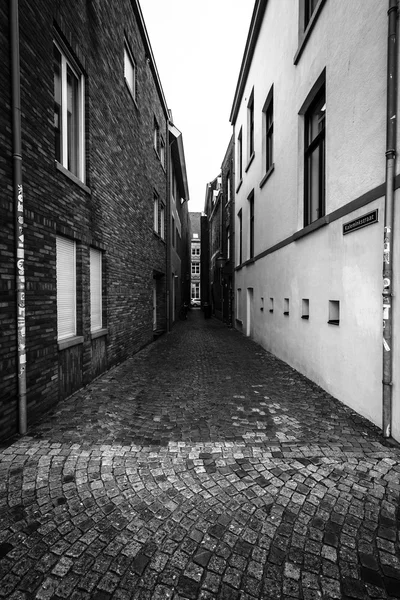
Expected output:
{"points": [[98, 253], [156, 201], [268, 132], [128, 56], [240, 253], [250, 199], [162, 220], [156, 137], [250, 127], [240, 154], [68, 63], [310, 147], [66, 287], [306, 24]]}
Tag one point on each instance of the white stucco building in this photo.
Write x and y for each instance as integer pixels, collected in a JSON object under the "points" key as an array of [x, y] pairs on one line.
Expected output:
{"points": [[311, 168]]}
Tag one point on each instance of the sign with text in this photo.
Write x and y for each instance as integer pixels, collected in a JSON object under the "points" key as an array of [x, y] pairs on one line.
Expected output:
{"points": [[360, 222]]}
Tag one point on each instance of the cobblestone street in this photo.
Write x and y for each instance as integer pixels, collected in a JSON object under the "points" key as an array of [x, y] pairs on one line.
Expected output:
{"points": [[203, 467]]}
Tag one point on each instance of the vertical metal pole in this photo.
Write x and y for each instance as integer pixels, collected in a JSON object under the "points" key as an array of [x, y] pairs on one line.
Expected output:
{"points": [[391, 120], [19, 216]]}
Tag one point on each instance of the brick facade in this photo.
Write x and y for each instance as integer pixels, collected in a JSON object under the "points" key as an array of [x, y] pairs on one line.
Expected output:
{"points": [[111, 211]]}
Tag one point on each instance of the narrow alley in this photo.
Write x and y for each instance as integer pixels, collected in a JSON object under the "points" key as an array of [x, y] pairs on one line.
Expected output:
{"points": [[202, 467]]}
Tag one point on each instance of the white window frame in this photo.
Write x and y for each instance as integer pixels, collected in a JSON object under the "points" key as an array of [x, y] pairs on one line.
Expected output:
{"points": [[66, 287], [162, 221], [155, 212], [96, 290], [131, 82], [66, 61]]}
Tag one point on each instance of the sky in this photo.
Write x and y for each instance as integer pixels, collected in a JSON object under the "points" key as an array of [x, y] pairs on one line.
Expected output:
{"points": [[198, 48]]}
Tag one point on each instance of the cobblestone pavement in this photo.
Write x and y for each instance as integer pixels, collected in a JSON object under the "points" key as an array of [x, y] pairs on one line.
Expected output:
{"points": [[203, 467]]}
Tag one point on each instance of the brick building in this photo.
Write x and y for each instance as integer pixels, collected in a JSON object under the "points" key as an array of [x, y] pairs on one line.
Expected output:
{"points": [[218, 226], [93, 262]]}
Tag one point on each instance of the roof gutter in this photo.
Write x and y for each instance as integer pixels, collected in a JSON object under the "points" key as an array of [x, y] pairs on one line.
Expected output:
{"points": [[18, 215]]}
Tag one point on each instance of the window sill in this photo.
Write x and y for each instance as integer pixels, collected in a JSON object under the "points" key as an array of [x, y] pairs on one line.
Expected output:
{"points": [[310, 228], [99, 333], [239, 185], [306, 317], [303, 37], [333, 322], [249, 163], [72, 177], [267, 175], [69, 342]]}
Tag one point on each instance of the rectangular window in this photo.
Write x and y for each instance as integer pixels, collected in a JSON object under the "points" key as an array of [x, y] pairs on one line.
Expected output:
{"points": [[156, 136], [334, 312], [309, 8], [69, 130], [240, 254], [314, 159], [228, 188], [155, 212], [162, 221], [66, 287], [250, 126], [271, 305], [305, 308], [162, 151], [240, 156], [130, 71], [251, 225], [195, 269], [228, 243], [96, 291], [268, 119], [286, 307]]}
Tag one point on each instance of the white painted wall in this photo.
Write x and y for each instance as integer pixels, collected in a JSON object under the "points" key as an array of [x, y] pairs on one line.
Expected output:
{"points": [[349, 40]]}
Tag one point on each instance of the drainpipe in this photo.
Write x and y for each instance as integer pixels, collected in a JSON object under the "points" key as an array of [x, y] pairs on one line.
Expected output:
{"points": [[19, 215], [391, 126]]}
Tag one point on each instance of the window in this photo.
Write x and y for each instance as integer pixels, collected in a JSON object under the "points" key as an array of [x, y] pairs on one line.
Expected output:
{"points": [[162, 221], [240, 254], [286, 307], [314, 159], [66, 287], [268, 119], [240, 156], [96, 308], [156, 136], [155, 212], [309, 8], [334, 312], [251, 225], [228, 243], [250, 125], [305, 308], [69, 119], [195, 269], [228, 188], [130, 72], [271, 305], [162, 151]]}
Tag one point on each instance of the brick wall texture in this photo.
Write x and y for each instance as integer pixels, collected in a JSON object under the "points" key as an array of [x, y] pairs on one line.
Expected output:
{"points": [[113, 212]]}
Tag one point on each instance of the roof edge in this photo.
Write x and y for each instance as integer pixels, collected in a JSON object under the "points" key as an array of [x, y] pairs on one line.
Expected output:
{"points": [[252, 37]]}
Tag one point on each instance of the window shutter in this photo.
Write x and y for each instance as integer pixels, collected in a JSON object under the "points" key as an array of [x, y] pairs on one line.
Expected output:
{"points": [[95, 290], [66, 288]]}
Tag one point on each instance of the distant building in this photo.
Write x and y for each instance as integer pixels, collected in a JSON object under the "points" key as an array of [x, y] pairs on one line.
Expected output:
{"points": [[218, 225], [316, 184], [90, 229], [195, 253]]}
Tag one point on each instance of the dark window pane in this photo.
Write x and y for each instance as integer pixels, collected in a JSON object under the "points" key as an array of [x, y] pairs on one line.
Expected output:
{"points": [[57, 104]]}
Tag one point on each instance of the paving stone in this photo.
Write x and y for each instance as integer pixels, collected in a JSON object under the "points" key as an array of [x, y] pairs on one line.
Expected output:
{"points": [[202, 467]]}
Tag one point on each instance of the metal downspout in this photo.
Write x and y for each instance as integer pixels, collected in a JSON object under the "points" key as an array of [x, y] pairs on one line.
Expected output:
{"points": [[391, 127], [19, 215]]}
